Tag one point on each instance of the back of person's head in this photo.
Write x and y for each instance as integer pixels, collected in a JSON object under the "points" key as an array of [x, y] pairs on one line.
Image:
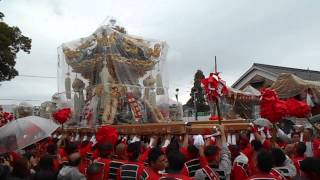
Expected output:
{"points": [[74, 159], [105, 150], [28, 155], [235, 151], [84, 143], [256, 144], [174, 146], [316, 167], [243, 141], [307, 166], [121, 150], [176, 161], [134, 150], [154, 154], [95, 172], [46, 162], [52, 149], [70, 148], [211, 151], [301, 148], [193, 151], [4, 171], [21, 168], [264, 161], [278, 157]]}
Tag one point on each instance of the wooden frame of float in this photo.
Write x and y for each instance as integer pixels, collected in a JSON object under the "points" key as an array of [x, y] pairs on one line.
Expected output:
{"points": [[172, 127]]}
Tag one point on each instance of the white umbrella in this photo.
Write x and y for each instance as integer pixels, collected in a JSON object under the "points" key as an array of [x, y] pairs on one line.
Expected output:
{"points": [[23, 132]]}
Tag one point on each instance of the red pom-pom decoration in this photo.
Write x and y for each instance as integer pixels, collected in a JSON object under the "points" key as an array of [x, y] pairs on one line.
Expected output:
{"points": [[107, 134], [271, 107], [62, 115], [274, 109], [214, 118], [297, 108]]}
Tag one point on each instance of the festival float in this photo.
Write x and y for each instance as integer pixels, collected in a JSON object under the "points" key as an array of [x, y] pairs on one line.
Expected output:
{"points": [[114, 78]]}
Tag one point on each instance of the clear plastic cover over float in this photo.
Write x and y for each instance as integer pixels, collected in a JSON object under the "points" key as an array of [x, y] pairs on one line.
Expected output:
{"points": [[113, 77]]}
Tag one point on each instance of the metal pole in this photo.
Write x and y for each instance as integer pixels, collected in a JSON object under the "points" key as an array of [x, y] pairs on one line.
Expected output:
{"points": [[219, 112], [195, 105]]}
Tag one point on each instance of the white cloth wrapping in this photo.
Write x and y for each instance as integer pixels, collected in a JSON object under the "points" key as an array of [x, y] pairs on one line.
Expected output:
{"points": [[198, 140]]}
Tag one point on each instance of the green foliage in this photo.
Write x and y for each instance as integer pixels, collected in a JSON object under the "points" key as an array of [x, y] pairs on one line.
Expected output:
{"points": [[197, 91], [11, 42]]}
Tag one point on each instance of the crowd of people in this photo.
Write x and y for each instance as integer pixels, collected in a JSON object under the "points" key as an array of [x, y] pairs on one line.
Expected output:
{"points": [[64, 157]]}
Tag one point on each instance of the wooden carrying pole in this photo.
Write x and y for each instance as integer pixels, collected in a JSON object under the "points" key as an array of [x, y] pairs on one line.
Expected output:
{"points": [[172, 128]]}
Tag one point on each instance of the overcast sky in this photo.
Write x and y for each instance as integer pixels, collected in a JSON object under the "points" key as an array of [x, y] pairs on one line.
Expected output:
{"points": [[238, 32]]}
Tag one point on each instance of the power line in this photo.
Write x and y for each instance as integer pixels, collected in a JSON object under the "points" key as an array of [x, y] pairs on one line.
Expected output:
{"points": [[35, 76], [19, 100]]}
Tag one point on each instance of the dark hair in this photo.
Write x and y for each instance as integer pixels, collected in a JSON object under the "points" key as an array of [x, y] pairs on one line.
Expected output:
{"points": [[235, 151], [174, 146], [20, 168], [85, 143], [94, 168], [264, 161], [301, 148], [256, 144], [46, 162], [211, 150], [4, 171], [278, 156], [52, 149], [28, 155], [307, 164], [70, 148], [193, 151], [105, 149], [176, 161], [154, 154], [134, 150]]}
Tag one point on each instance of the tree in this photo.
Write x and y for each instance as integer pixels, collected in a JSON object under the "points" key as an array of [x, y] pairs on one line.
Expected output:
{"points": [[197, 91], [11, 42]]}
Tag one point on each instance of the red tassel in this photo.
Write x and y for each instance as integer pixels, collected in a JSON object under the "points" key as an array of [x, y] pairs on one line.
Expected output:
{"points": [[107, 134], [62, 115]]}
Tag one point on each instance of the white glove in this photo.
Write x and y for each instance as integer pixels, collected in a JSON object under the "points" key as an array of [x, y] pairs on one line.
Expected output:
{"points": [[135, 139], [77, 137], [166, 143], [85, 137], [60, 136], [124, 139], [198, 140], [152, 139], [54, 136], [93, 140]]}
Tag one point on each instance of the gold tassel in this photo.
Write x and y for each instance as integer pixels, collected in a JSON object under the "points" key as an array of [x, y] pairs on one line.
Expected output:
{"points": [[67, 85], [153, 113], [160, 90]]}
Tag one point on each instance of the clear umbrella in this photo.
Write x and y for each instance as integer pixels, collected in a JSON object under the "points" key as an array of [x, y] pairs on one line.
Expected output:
{"points": [[262, 122], [25, 131]]}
